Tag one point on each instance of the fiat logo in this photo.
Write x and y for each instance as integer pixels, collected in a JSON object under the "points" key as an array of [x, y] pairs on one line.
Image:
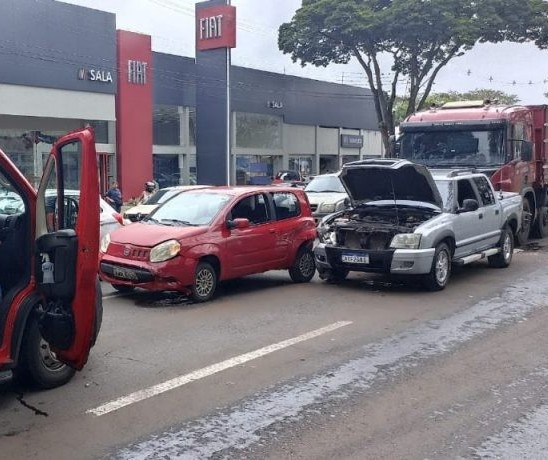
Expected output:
{"points": [[126, 251]]}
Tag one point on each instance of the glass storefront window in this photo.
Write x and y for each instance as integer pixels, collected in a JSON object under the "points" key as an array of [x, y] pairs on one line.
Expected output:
{"points": [[258, 131], [166, 170], [192, 126], [302, 164], [101, 130], [166, 128], [256, 169]]}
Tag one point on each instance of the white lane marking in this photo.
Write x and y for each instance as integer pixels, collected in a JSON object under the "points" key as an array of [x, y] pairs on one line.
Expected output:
{"points": [[209, 370]]}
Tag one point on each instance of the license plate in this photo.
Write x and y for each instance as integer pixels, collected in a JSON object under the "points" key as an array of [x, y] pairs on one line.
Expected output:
{"points": [[355, 259], [124, 273]]}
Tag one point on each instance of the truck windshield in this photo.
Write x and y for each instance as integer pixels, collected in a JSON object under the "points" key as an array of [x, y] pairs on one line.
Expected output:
{"points": [[454, 148]]}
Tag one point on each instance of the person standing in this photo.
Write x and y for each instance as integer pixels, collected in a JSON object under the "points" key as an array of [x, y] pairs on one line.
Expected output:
{"points": [[150, 188], [114, 197]]}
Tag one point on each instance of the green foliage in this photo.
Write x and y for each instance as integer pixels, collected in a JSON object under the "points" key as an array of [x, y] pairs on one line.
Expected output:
{"points": [[420, 37]]}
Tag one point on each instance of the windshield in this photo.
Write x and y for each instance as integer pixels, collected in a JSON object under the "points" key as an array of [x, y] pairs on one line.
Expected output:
{"points": [[325, 184], [190, 209], [446, 189], [477, 148], [160, 196]]}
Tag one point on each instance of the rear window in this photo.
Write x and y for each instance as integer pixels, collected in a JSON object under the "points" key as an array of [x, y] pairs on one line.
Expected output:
{"points": [[286, 204]]}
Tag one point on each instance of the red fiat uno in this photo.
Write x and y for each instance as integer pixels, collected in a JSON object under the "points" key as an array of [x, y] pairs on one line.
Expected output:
{"points": [[199, 238]]}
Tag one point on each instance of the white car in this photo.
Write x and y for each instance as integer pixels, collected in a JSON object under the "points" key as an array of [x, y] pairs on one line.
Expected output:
{"points": [[142, 210], [326, 195], [109, 219]]}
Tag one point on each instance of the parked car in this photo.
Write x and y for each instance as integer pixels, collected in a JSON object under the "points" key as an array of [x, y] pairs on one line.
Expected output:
{"points": [[109, 219], [50, 297], [403, 223], [199, 238], [326, 195], [142, 210]]}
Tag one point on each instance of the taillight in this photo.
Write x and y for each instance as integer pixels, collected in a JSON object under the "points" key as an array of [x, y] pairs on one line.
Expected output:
{"points": [[118, 217]]}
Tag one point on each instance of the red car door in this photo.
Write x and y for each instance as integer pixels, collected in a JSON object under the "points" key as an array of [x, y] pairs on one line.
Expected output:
{"points": [[252, 249], [67, 240]]}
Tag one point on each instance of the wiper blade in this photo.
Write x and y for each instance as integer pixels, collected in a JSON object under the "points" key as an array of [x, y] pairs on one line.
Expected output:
{"points": [[177, 221]]}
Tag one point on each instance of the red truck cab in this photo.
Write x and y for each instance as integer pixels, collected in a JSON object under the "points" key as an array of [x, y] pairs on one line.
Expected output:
{"points": [[50, 308], [508, 143]]}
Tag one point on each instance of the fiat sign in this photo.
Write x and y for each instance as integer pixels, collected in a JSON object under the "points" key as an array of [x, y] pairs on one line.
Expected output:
{"points": [[216, 27]]}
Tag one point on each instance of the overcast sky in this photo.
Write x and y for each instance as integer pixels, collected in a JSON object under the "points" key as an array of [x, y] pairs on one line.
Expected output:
{"points": [[520, 69]]}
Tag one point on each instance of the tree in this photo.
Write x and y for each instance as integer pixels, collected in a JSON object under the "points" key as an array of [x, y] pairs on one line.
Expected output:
{"points": [[418, 37], [438, 99]]}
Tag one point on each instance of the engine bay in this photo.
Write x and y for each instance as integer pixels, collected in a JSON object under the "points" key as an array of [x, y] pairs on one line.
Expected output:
{"points": [[373, 227]]}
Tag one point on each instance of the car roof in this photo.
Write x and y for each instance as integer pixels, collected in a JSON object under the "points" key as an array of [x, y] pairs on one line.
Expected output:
{"points": [[245, 189]]}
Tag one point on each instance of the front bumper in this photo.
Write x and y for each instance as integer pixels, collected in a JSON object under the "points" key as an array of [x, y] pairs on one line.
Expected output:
{"points": [[176, 274], [393, 261]]}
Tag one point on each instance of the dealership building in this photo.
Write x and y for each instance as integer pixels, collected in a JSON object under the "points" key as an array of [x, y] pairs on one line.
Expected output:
{"points": [[66, 66]]}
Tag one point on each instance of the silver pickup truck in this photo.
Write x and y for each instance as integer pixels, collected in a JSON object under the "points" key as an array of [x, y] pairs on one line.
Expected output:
{"points": [[404, 221]]}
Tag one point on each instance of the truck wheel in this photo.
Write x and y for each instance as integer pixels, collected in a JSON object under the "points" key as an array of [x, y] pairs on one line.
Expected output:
{"points": [[205, 282], [523, 235], [333, 275], [98, 311], [504, 257], [38, 365], [540, 229], [304, 267], [440, 271]]}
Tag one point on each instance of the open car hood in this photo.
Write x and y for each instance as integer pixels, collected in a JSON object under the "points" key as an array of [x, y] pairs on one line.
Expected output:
{"points": [[379, 180]]}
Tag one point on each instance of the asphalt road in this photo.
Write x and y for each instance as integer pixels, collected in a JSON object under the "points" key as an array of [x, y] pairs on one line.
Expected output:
{"points": [[270, 369]]}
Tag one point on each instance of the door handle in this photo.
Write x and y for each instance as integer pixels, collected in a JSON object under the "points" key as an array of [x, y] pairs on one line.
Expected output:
{"points": [[272, 230], [481, 216], [497, 212]]}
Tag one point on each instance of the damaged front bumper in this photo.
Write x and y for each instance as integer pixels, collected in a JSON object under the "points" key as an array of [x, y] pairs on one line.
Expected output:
{"points": [[393, 261]]}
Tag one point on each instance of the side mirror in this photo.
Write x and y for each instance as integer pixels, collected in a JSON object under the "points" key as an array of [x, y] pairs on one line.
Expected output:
{"points": [[347, 203], [238, 223], [469, 205], [526, 151]]}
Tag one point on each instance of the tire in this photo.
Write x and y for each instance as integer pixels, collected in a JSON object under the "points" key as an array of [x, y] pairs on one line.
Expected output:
{"points": [[122, 288], [440, 272], [98, 312], [38, 365], [304, 266], [503, 258], [523, 235], [540, 229], [205, 282], [333, 275]]}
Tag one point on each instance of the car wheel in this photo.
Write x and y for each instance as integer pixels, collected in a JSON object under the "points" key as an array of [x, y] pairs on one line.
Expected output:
{"points": [[504, 257], [440, 271], [333, 275], [540, 229], [523, 235], [304, 267], [38, 364], [205, 282], [122, 288]]}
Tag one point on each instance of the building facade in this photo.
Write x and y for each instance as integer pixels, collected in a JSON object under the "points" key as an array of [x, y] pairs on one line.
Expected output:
{"points": [[65, 66]]}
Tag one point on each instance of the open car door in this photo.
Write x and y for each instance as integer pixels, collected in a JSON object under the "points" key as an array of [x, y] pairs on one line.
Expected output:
{"points": [[67, 246]]}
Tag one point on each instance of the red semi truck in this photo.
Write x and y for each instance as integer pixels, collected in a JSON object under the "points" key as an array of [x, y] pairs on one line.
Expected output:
{"points": [[507, 142]]}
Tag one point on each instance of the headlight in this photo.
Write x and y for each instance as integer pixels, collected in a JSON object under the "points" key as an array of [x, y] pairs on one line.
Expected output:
{"points": [[329, 237], [104, 243], [406, 241], [165, 251], [327, 207]]}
